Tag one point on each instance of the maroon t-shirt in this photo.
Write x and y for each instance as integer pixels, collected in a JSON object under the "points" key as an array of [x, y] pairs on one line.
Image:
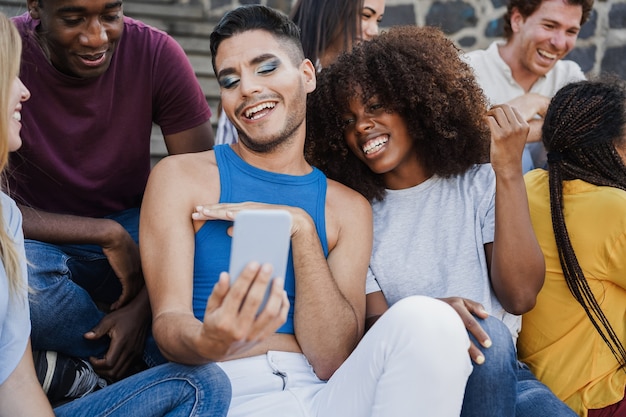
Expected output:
{"points": [[86, 142]]}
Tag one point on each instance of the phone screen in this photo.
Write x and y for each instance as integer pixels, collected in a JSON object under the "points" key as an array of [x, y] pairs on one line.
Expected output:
{"points": [[263, 236]]}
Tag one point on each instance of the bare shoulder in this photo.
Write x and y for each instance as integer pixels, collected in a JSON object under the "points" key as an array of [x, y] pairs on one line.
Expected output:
{"points": [[347, 211], [186, 164], [339, 197], [185, 174]]}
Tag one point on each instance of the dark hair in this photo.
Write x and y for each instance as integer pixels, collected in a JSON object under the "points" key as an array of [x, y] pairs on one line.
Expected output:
{"points": [[582, 127], [257, 17], [528, 7], [417, 73], [322, 22]]}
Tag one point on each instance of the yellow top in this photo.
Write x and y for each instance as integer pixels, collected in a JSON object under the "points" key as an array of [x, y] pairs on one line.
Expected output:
{"points": [[558, 341]]}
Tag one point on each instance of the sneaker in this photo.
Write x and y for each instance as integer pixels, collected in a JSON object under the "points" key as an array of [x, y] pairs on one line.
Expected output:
{"points": [[65, 378]]}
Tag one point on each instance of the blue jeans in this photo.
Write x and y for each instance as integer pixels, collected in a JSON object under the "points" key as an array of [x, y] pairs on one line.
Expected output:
{"points": [[167, 390], [66, 281], [504, 387]]}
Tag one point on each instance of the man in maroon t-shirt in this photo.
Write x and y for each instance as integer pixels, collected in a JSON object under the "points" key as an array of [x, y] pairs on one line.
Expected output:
{"points": [[99, 81]]}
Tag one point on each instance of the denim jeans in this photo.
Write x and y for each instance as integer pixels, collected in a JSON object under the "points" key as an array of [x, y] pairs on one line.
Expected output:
{"points": [[504, 387], [167, 390], [66, 281]]}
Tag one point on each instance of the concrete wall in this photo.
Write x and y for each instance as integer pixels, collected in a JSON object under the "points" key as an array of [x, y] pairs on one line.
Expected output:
{"points": [[472, 24]]}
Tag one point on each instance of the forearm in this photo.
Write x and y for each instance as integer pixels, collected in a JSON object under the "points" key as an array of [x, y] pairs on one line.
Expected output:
{"points": [[534, 135], [139, 307], [517, 266], [21, 394], [178, 335], [68, 229], [326, 324]]}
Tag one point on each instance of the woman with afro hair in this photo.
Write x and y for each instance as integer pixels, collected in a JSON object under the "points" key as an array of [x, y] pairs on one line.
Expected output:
{"points": [[402, 120]]}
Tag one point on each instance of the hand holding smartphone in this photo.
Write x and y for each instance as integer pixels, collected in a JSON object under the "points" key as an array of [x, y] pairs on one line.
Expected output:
{"points": [[263, 236]]}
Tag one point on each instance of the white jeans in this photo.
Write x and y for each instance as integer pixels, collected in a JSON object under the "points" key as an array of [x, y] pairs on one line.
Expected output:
{"points": [[412, 362]]}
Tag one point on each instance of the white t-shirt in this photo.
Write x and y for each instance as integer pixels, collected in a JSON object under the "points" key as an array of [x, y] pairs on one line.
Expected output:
{"points": [[429, 240], [14, 313]]}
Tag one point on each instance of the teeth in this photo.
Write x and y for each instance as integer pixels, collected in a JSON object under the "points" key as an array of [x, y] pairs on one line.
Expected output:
{"points": [[17, 116], [251, 112], [374, 145], [547, 54], [93, 57]]}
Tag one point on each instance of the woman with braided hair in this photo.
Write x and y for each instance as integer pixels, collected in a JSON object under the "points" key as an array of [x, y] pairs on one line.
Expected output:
{"points": [[573, 339]]}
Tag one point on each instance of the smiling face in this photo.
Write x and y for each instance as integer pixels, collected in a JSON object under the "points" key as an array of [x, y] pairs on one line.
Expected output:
{"points": [[371, 16], [19, 93], [263, 89], [79, 36], [381, 140], [544, 37]]}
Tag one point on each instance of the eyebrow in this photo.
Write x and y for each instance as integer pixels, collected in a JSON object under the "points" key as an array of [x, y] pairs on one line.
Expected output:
{"points": [[370, 9], [254, 61], [557, 23], [77, 9]]}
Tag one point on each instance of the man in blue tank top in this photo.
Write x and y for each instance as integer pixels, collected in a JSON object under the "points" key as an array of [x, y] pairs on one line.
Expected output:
{"points": [[305, 353]]}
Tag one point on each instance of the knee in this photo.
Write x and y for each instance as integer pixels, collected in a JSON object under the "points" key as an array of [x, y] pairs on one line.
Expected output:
{"points": [[44, 262], [501, 356], [209, 378], [428, 319]]}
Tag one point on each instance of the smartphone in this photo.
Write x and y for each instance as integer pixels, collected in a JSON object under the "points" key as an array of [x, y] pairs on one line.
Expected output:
{"points": [[263, 236]]}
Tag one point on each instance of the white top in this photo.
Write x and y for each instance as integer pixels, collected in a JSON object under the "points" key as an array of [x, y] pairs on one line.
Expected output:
{"points": [[14, 313], [429, 240], [495, 78], [226, 132]]}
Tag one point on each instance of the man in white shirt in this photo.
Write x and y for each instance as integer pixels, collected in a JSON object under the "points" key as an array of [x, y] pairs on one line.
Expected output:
{"points": [[527, 68]]}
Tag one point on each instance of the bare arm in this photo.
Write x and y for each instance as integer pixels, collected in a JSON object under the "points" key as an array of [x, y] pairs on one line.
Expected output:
{"points": [[21, 395], [532, 107], [330, 296], [375, 306], [68, 229], [515, 259], [534, 134], [197, 139], [230, 325]]}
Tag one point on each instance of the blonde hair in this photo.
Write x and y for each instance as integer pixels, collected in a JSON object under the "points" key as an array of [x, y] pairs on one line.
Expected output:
{"points": [[10, 53]]}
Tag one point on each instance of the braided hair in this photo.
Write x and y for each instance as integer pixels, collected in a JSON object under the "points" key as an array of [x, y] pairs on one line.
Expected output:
{"points": [[584, 124]]}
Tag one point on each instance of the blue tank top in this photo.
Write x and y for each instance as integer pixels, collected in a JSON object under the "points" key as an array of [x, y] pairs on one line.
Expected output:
{"points": [[241, 182]]}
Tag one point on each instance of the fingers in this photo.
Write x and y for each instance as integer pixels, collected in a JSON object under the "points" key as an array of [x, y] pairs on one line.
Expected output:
{"points": [[476, 330], [476, 355], [256, 291], [126, 343], [505, 116], [232, 312], [125, 298], [114, 365], [246, 293], [468, 310], [274, 314], [223, 211], [213, 212], [227, 211], [219, 292]]}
